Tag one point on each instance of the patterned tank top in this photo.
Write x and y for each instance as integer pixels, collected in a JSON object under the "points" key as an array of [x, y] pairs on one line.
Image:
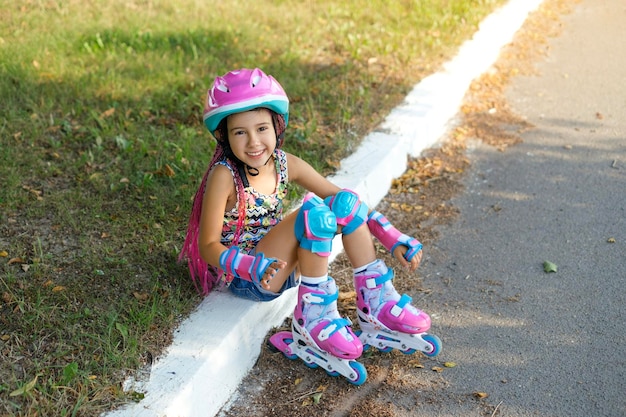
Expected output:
{"points": [[262, 211]]}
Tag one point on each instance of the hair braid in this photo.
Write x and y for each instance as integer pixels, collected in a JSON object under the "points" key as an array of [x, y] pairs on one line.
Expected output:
{"points": [[204, 276]]}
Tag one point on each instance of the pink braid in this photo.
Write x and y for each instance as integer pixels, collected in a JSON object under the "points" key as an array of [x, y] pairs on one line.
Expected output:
{"points": [[206, 277]]}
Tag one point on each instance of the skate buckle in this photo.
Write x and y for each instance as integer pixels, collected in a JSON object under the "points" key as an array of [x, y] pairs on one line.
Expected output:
{"points": [[375, 281], [319, 298], [402, 302], [332, 327]]}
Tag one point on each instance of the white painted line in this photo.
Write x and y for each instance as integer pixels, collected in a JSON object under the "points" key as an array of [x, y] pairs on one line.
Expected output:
{"points": [[219, 343]]}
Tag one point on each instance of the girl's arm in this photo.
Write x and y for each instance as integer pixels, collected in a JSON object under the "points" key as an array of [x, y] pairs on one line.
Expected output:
{"points": [[404, 248], [218, 197], [219, 189], [303, 174]]}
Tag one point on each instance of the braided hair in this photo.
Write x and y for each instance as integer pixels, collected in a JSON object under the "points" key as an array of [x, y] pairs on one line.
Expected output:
{"points": [[205, 277]]}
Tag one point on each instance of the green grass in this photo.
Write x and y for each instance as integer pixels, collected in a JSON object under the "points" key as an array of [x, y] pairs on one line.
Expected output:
{"points": [[102, 148]]}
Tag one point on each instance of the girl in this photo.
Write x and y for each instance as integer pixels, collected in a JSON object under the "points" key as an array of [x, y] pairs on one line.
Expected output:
{"points": [[237, 234]]}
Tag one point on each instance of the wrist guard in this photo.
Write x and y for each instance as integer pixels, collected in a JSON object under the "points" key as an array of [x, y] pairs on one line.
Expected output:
{"points": [[248, 267], [390, 237]]}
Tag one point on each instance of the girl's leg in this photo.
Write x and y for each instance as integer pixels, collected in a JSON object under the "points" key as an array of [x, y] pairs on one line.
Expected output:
{"points": [[316, 316], [281, 243], [377, 299]]}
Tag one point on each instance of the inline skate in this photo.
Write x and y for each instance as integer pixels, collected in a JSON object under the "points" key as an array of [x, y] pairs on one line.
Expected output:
{"points": [[320, 337], [386, 319]]}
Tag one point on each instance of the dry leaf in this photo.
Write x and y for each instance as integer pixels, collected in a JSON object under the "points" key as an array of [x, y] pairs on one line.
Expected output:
{"points": [[449, 364], [25, 267], [141, 296], [316, 397], [5, 337], [58, 288], [166, 171], [437, 369], [25, 388], [481, 395], [108, 113], [16, 261], [415, 363], [297, 381], [611, 240], [346, 295], [3, 254]]}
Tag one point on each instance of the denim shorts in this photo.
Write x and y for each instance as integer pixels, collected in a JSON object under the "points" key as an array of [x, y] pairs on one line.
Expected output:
{"points": [[251, 291]]}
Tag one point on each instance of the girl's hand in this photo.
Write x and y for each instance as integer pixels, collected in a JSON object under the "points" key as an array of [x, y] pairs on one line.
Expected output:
{"points": [[399, 252], [272, 270]]}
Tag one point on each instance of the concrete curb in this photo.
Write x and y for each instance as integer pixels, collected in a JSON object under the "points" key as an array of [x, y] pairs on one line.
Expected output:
{"points": [[219, 343]]}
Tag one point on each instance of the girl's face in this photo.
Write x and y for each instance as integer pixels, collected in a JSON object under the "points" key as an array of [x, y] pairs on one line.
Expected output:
{"points": [[251, 136]]}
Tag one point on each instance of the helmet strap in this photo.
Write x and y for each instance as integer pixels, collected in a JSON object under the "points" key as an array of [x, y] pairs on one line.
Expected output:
{"points": [[253, 172]]}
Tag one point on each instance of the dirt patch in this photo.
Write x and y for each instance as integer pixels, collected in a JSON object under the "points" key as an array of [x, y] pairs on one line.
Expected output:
{"points": [[418, 203]]}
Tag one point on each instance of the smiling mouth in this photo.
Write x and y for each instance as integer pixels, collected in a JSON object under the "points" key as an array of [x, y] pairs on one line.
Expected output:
{"points": [[255, 154]]}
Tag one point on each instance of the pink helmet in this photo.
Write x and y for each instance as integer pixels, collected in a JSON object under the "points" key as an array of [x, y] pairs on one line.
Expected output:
{"points": [[243, 90]]}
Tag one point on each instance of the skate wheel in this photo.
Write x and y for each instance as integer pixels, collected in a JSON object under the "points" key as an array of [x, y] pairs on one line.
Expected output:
{"points": [[408, 351], [383, 346], [366, 346], [310, 362], [434, 342], [360, 373], [280, 343]]}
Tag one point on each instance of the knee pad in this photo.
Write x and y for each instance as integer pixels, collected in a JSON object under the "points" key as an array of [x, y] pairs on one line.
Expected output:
{"points": [[316, 225], [350, 211]]}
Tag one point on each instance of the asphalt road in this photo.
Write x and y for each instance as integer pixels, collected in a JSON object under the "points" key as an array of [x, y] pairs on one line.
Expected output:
{"points": [[537, 343]]}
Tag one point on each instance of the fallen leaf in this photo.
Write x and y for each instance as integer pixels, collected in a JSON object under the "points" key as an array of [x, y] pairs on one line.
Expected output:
{"points": [[166, 171], [481, 395], [58, 288], [16, 261], [549, 267], [437, 369], [141, 296], [316, 397], [416, 364], [24, 389], [449, 364], [346, 295], [108, 113], [297, 381], [611, 240], [3, 254], [5, 337], [25, 267]]}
